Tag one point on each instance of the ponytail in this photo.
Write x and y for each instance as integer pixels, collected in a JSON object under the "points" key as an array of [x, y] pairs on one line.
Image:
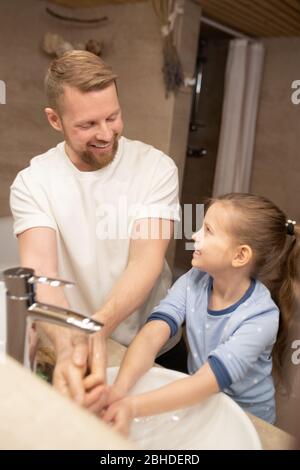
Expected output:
{"points": [[275, 242], [287, 298]]}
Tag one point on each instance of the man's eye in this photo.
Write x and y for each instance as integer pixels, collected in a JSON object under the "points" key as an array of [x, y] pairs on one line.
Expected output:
{"points": [[86, 126]]}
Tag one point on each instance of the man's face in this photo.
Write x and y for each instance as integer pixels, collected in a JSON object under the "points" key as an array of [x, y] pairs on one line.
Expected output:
{"points": [[92, 124]]}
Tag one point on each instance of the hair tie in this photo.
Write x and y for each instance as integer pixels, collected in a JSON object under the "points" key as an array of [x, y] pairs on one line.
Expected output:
{"points": [[290, 226]]}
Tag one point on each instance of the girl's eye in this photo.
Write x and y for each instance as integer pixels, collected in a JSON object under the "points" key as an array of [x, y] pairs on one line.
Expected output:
{"points": [[112, 119]]}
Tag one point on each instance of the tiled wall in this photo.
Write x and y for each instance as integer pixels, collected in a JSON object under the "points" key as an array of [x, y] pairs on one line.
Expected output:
{"points": [[276, 167], [199, 171], [132, 45]]}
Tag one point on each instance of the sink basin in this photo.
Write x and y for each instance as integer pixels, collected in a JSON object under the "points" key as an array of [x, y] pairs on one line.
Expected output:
{"points": [[216, 423]]}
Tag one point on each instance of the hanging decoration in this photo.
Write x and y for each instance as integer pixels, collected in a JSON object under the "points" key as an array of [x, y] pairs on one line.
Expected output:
{"points": [[74, 19], [56, 46], [167, 12]]}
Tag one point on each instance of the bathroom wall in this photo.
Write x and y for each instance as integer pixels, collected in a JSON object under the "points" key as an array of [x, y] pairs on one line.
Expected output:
{"points": [[199, 170], [8, 246], [276, 167], [131, 45]]}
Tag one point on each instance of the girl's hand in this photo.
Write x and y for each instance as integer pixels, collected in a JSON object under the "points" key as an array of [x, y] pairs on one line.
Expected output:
{"points": [[115, 393], [95, 399], [120, 414]]}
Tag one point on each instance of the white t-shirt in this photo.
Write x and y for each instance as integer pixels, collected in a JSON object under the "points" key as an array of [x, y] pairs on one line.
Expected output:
{"points": [[92, 214]]}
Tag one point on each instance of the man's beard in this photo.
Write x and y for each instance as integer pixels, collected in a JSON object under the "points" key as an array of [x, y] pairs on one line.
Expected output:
{"points": [[97, 162]]}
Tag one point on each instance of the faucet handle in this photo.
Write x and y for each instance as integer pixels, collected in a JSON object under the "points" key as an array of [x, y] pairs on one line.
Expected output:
{"points": [[50, 281], [20, 282]]}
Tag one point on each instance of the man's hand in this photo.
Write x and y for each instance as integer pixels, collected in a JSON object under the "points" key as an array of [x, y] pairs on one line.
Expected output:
{"points": [[80, 371], [71, 366], [96, 390]]}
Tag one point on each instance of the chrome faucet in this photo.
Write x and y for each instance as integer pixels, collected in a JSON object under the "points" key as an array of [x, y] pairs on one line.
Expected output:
{"points": [[22, 305]]}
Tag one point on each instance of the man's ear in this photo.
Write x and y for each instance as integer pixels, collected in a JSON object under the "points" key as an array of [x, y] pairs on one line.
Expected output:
{"points": [[54, 119], [242, 256]]}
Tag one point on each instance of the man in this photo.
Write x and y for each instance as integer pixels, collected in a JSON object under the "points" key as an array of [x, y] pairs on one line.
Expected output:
{"points": [[81, 212]]}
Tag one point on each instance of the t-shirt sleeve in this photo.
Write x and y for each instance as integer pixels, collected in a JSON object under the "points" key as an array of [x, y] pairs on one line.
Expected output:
{"points": [[254, 336], [172, 309], [162, 198], [29, 205]]}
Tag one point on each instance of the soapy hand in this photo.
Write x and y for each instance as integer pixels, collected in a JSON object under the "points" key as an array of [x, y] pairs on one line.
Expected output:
{"points": [[120, 414], [96, 390], [115, 393], [80, 371], [71, 366]]}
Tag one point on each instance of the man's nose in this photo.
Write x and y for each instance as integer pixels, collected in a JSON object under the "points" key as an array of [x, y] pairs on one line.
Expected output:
{"points": [[104, 133]]}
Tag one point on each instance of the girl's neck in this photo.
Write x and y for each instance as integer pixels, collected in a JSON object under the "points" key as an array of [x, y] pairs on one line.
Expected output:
{"points": [[228, 290]]}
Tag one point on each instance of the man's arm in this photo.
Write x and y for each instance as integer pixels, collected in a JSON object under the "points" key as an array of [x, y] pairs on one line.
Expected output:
{"points": [[145, 263], [38, 250]]}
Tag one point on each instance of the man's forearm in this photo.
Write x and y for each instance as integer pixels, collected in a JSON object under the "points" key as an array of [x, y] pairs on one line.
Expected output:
{"points": [[129, 293], [58, 335], [38, 250]]}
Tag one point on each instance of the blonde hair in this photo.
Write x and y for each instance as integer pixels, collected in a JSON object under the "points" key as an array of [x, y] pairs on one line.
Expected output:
{"points": [[80, 69], [257, 222]]}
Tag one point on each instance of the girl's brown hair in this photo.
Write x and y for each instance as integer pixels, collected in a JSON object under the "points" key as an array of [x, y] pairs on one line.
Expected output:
{"points": [[257, 222]]}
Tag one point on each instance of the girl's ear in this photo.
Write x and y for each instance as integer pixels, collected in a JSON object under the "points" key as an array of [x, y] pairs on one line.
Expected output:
{"points": [[242, 257]]}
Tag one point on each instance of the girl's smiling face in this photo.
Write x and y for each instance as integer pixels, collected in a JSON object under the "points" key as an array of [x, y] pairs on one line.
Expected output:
{"points": [[215, 247]]}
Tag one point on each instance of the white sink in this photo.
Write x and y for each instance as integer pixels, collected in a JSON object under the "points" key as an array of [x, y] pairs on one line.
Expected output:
{"points": [[217, 423]]}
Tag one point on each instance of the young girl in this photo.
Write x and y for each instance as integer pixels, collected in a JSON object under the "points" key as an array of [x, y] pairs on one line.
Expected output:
{"points": [[245, 253]]}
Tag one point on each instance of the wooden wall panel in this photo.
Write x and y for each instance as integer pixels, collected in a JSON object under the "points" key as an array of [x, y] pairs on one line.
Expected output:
{"points": [[91, 3], [265, 18]]}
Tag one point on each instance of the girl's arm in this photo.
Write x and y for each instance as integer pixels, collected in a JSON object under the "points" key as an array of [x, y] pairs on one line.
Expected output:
{"points": [[179, 394], [139, 357], [149, 341]]}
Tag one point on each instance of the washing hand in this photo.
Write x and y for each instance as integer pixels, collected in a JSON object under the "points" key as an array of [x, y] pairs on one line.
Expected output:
{"points": [[80, 371], [69, 373], [96, 390], [120, 414]]}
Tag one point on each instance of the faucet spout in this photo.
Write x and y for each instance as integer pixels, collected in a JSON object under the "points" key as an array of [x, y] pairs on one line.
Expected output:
{"points": [[63, 317], [22, 305]]}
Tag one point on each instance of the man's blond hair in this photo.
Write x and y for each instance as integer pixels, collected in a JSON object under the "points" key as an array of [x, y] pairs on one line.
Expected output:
{"points": [[80, 69]]}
